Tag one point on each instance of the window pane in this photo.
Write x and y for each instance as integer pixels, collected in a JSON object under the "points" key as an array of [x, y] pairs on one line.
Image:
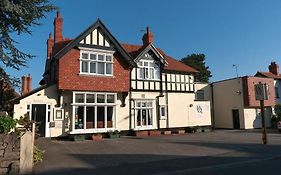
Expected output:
{"points": [[162, 111], [100, 68], [110, 98], [151, 73], [84, 66], [109, 68], [143, 104], [149, 122], [108, 58], [149, 104], [145, 63], [93, 56], [100, 117], [101, 57], [90, 117], [28, 107], [84, 55], [79, 117], [109, 117], [141, 73], [139, 117], [146, 73], [140, 63], [90, 98], [100, 98], [92, 67], [138, 104], [79, 98], [157, 73]]}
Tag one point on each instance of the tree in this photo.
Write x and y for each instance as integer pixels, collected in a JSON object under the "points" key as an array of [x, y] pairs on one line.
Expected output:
{"points": [[17, 16], [197, 61]]}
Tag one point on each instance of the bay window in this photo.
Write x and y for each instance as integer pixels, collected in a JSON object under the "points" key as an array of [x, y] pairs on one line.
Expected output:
{"points": [[96, 63], [93, 110]]}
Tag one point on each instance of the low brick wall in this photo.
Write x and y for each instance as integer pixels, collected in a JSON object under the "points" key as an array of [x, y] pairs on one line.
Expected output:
{"points": [[9, 154]]}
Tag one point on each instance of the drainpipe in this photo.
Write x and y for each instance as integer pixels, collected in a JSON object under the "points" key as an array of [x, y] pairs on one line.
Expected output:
{"points": [[212, 106]]}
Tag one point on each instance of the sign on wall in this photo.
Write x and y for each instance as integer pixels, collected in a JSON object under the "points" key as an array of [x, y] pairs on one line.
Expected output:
{"points": [[261, 91], [202, 109]]}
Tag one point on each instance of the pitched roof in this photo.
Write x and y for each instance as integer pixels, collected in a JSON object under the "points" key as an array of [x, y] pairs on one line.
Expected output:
{"points": [[97, 24], [269, 75], [173, 64]]}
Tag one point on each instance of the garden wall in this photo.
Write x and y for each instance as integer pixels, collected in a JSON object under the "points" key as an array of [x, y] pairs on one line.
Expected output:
{"points": [[16, 154]]}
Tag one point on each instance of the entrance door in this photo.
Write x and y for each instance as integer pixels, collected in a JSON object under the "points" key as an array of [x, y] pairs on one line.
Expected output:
{"points": [[235, 119], [39, 116]]}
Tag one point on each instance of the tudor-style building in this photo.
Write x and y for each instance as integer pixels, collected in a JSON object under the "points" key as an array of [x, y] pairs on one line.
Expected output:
{"points": [[92, 83]]}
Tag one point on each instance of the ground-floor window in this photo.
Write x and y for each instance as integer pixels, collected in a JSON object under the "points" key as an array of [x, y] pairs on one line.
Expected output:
{"points": [[143, 113], [94, 110]]}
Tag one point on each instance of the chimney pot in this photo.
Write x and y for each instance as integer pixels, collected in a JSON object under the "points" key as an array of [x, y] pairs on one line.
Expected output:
{"points": [[147, 37], [274, 68], [58, 28]]}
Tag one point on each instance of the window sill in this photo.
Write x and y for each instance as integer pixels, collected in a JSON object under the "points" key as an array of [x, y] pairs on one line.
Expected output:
{"points": [[95, 75]]}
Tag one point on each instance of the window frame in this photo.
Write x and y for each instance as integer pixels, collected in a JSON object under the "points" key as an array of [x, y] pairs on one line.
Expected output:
{"points": [[144, 71], [162, 117], [96, 62], [85, 104], [146, 107]]}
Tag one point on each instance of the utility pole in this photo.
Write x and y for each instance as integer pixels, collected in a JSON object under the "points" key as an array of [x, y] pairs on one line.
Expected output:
{"points": [[261, 92], [264, 135]]}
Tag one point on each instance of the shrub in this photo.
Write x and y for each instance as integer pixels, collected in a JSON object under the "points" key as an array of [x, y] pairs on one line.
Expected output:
{"points": [[6, 124], [37, 154]]}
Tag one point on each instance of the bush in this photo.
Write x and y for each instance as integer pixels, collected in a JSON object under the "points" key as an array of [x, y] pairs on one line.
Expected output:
{"points": [[6, 124], [37, 154]]}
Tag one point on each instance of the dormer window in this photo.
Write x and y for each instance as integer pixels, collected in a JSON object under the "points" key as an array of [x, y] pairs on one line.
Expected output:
{"points": [[148, 70], [96, 63]]}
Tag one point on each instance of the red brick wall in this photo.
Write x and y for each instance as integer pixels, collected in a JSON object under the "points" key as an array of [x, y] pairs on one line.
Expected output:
{"points": [[69, 78], [249, 91]]}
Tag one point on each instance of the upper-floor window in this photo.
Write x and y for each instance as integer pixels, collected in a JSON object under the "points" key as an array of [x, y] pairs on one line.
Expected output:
{"points": [[276, 92], [148, 69], [96, 63], [200, 95]]}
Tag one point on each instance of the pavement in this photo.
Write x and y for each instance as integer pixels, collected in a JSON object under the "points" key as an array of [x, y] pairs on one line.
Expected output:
{"points": [[218, 152]]}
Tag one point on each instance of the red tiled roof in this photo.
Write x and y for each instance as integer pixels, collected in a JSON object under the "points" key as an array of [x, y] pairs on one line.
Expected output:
{"points": [[269, 75], [173, 64]]}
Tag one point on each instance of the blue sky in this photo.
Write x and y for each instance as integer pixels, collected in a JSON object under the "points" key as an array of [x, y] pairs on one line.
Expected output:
{"points": [[246, 33]]}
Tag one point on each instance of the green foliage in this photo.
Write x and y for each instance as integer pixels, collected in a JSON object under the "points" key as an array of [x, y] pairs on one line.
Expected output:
{"points": [[16, 18], [197, 61], [6, 124], [37, 155], [277, 109], [25, 122]]}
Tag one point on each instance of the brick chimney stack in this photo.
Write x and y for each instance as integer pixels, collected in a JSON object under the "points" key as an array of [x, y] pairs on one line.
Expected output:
{"points": [[50, 44], [274, 68], [26, 84], [58, 28], [147, 37]]}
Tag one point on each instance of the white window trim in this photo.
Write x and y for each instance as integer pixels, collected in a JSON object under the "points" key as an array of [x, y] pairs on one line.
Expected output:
{"points": [[148, 67], [85, 104], [135, 117], [163, 117], [97, 53]]}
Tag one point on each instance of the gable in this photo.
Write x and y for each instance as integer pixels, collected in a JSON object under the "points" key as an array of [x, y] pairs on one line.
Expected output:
{"points": [[97, 36], [150, 52]]}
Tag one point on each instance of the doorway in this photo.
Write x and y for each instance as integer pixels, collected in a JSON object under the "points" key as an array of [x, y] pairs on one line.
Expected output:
{"points": [[235, 119], [38, 115]]}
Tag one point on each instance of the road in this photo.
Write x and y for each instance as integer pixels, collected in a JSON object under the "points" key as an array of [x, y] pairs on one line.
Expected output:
{"points": [[219, 152]]}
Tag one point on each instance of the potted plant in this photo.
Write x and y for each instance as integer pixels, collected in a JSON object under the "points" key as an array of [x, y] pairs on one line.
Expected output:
{"points": [[113, 134], [97, 136]]}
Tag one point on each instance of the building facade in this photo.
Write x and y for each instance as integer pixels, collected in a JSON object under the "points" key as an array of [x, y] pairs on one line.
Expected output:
{"points": [[92, 83], [235, 105]]}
